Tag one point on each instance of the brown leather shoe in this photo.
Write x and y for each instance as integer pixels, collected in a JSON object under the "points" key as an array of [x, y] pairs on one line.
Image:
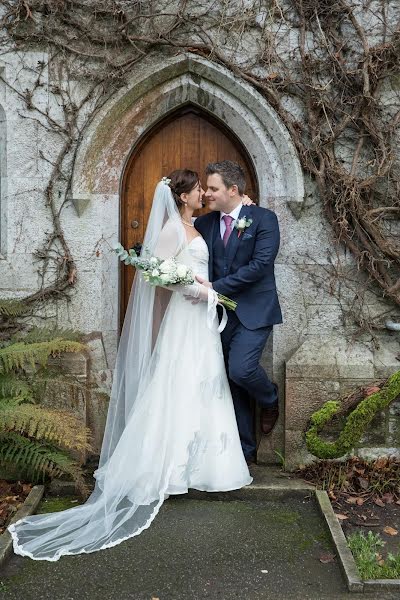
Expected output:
{"points": [[268, 418]]}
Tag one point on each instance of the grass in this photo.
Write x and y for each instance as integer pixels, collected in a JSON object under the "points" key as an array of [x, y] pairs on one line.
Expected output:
{"points": [[371, 565]]}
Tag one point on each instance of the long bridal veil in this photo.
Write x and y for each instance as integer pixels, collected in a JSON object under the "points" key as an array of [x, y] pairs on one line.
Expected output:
{"points": [[126, 497]]}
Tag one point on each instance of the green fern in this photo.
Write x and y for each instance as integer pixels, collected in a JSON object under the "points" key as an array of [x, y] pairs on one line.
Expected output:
{"points": [[20, 355], [47, 334], [14, 386], [36, 439], [38, 460], [43, 424], [12, 307]]}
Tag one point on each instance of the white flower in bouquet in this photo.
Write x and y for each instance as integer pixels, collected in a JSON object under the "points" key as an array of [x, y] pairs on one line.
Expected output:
{"points": [[181, 271], [165, 279], [153, 261], [155, 273], [168, 266]]}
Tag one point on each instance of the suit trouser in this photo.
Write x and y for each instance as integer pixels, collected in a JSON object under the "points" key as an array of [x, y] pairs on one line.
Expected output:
{"points": [[247, 379]]}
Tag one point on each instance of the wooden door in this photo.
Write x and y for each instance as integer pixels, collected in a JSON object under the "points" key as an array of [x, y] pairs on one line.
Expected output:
{"points": [[186, 139]]}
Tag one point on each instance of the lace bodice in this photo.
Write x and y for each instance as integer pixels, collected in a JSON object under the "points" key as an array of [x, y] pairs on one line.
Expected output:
{"points": [[195, 256]]}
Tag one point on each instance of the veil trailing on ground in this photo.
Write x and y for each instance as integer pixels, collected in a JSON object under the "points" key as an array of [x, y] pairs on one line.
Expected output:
{"points": [[123, 503]]}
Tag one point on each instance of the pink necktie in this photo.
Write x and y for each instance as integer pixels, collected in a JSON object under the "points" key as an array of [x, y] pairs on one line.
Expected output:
{"points": [[228, 228]]}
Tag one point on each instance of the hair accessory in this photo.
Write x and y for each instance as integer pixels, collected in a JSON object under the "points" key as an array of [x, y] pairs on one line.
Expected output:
{"points": [[166, 180]]}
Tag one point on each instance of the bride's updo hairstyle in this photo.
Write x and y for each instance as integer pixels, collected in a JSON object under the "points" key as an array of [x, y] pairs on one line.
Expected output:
{"points": [[182, 182]]}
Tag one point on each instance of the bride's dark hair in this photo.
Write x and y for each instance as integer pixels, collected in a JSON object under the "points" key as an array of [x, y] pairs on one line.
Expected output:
{"points": [[182, 181]]}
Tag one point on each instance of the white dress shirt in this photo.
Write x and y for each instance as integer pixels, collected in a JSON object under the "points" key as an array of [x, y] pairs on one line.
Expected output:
{"points": [[234, 214]]}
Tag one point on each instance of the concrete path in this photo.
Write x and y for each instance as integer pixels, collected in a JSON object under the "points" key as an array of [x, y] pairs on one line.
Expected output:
{"points": [[247, 548]]}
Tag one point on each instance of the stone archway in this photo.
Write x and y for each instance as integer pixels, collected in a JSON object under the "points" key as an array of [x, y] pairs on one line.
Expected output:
{"points": [[161, 88], [158, 88]]}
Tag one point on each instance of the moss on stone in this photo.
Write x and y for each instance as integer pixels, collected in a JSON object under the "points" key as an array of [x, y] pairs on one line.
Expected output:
{"points": [[57, 503], [356, 423]]}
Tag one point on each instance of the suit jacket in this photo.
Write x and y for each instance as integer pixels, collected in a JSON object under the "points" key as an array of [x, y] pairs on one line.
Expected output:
{"points": [[248, 275]]}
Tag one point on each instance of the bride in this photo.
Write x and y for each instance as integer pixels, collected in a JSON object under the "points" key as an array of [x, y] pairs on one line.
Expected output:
{"points": [[171, 424]]}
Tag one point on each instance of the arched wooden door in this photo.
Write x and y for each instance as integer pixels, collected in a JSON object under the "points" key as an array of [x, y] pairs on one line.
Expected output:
{"points": [[188, 139]]}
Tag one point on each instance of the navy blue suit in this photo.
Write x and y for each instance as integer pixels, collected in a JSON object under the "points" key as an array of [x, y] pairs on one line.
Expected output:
{"points": [[244, 271]]}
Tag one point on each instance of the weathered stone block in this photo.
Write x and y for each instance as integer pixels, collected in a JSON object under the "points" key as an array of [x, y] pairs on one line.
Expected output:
{"points": [[394, 424], [376, 433], [385, 358], [98, 359], [304, 397], [296, 454], [68, 397], [330, 357], [97, 408], [73, 363]]}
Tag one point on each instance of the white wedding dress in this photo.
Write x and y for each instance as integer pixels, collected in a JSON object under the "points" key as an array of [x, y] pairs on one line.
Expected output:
{"points": [[181, 434]]}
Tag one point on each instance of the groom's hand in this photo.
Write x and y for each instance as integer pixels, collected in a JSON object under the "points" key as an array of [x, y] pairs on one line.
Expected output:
{"points": [[204, 281]]}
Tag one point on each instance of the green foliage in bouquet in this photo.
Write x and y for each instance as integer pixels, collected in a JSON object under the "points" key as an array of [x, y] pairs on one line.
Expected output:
{"points": [[356, 423], [36, 440]]}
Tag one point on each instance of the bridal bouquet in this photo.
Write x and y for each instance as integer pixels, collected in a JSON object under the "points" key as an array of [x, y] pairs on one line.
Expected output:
{"points": [[157, 271]]}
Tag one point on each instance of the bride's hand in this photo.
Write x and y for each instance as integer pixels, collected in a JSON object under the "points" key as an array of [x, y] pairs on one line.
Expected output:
{"points": [[246, 201], [196, 293]]}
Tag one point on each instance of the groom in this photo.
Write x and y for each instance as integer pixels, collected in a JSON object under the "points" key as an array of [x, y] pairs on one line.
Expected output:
{"points": [[243, 242]]}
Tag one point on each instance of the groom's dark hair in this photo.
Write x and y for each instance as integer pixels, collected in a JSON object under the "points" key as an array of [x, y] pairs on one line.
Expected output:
{"points": [[231, 174]]}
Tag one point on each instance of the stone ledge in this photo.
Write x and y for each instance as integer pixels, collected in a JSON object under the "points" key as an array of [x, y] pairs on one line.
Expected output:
{"points": [[345, 557], [28, 508], [381, 584]]}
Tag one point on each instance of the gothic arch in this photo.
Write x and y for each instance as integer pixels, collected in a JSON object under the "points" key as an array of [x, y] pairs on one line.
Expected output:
{"points": [[164, 86]]}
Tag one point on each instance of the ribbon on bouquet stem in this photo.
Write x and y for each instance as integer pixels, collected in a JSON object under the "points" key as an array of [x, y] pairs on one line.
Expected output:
{"points": [[212, 314]]}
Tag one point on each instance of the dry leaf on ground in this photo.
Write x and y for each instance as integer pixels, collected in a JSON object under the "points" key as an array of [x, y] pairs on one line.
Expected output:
{"points": [[379, 502], [363, 483], [327, 557], [355, 500], [390, 530], [388, 498], [341, 517]]}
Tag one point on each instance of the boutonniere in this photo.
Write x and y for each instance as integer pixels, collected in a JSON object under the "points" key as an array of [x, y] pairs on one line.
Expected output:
{"points": [[241, 224]]}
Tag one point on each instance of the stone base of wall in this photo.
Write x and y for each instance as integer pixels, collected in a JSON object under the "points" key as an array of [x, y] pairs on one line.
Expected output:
{"points": [[88, 399], [323, 368], [326, 368]]}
